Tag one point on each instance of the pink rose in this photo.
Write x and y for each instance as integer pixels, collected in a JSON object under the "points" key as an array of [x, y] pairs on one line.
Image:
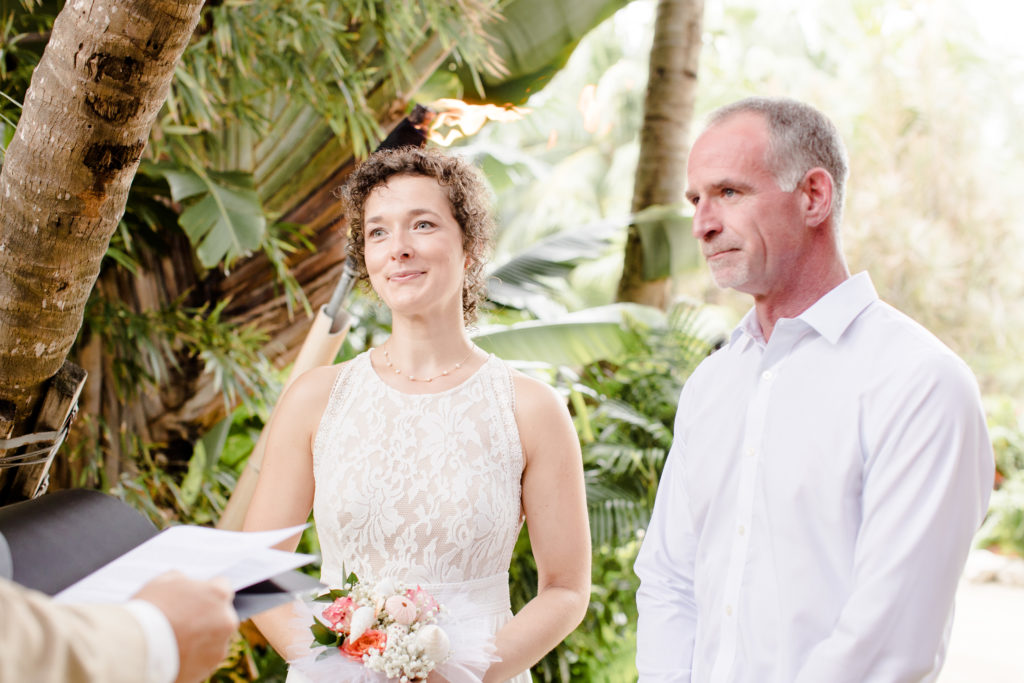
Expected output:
{"points": [[355, 648], [424, 601], [339, 614], [401, 609]]}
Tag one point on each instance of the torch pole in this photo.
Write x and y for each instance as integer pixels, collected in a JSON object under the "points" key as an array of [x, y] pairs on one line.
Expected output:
{"points": [[321, 346]]}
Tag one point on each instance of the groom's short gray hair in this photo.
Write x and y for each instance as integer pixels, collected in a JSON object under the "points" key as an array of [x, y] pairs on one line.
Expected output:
{"points": [[799, 138]]}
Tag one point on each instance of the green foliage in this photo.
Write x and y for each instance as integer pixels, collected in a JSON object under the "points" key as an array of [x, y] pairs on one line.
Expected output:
{"points": [[222, 214], [624, 411], [246, 662], [573, 339], [1003, 528], [22, 37], [1006, 427], [283, 241], [146, 347], [669, 248], [538, 273], [329, 55], [532, 57]]}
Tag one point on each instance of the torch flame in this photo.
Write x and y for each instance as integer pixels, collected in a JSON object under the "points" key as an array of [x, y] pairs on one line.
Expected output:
{"points": [[462, 119]]}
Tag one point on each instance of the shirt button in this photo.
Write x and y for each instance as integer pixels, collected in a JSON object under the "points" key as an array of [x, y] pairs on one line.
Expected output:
{"points": [[728, 610], [766, 375], [740, 530], [750, 452]]}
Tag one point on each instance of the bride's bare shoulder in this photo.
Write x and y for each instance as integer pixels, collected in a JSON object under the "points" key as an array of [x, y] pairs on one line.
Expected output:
{"points": [[536, 402], [311, 390]]}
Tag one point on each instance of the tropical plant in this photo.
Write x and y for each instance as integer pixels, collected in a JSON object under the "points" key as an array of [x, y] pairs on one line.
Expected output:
{"points": [[233, 211], [623, 406], [1003, 529]]}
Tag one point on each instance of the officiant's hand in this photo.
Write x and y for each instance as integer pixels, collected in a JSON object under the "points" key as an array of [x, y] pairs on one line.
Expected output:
{"points": [[202, 616]]}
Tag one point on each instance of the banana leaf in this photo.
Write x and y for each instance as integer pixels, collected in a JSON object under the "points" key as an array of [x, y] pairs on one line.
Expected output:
{"points": [[579, 338], [668, 247], [534, 39], [542, 267]]}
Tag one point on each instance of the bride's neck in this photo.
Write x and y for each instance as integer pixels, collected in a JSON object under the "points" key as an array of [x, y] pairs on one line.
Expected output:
{"points": [[424, 347]]}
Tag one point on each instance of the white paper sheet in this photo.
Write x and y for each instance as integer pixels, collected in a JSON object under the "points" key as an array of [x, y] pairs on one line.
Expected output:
{"points": [[243, 557]]}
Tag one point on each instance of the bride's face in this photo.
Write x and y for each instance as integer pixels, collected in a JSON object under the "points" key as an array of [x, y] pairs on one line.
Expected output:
{"points": [[414, 253]]}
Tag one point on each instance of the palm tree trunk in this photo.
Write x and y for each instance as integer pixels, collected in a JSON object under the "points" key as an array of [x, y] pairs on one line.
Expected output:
{"points": [[93, 99], [668, 108]]}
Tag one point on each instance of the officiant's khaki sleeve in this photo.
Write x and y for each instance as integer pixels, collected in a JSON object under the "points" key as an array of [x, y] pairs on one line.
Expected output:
{"points": [[43, 641]]}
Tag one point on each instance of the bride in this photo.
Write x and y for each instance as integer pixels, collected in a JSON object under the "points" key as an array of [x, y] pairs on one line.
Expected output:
{"points": [[422, 457]]}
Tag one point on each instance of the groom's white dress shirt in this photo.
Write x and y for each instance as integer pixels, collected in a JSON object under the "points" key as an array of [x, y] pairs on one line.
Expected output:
{"points": [[817, 505]]}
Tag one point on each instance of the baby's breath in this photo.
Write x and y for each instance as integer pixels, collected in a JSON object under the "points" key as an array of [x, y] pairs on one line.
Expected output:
{"points": [[403, 657]]}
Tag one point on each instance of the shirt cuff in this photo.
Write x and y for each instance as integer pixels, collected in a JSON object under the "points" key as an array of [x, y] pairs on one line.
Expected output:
{"points": [[161, 644]]}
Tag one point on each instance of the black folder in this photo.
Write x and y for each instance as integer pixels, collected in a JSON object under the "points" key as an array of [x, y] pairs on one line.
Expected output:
{"points": [[51, 542]]}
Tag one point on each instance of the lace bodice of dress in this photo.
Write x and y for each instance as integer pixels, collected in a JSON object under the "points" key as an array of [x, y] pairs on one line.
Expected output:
{"points": [[418, 487]]}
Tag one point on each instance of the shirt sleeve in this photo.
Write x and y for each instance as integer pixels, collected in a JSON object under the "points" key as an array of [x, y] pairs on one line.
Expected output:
{"points": [[665, 600], [927, 479], [161, 644]]}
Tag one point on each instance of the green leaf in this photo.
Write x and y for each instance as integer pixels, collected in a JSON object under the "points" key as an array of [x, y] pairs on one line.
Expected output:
{"points": [[183, 182], [540, 267], [577, 339], [224, 219], [324, 635], [192, 484], [668, 247], [624, 412], [122, 259], [331, 595], [213, 441], [534, 39]]}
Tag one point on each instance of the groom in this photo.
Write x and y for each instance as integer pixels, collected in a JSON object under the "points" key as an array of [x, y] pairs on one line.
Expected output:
{"points": [[830, 464]]}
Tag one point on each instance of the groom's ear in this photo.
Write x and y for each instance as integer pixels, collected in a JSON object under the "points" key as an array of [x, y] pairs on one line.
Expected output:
{"points": [[816, 194]]}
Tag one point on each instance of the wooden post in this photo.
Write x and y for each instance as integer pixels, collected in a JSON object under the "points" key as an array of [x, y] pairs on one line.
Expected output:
{"points": [[29, 476]]}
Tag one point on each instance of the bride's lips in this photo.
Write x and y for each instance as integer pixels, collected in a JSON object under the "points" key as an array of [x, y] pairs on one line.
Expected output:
{"points": [[404, 275]]}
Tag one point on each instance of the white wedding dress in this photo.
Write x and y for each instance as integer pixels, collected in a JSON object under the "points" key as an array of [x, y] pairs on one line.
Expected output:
{"points": [[423, 489]]}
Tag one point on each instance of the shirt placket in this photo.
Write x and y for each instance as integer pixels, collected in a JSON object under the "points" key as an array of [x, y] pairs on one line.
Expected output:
{"points": [[747, 484]]}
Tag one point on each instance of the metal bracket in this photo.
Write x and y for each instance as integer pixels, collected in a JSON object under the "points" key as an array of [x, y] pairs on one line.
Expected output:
{"points": [[38, 456]]}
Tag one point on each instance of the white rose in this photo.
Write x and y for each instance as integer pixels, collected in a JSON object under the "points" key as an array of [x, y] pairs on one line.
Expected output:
{"points": [[362, 619], [434, 642], [386, 587]]}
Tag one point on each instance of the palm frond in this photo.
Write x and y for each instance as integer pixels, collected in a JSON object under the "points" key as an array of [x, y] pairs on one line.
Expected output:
{"points": [[542, 268]]}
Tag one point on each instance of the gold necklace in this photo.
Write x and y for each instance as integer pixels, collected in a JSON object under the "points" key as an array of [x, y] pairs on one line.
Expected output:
{"points": [[387, 361]]}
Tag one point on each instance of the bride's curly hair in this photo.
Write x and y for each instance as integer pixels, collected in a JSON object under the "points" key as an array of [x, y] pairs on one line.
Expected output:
{"points": [[468, 196]]}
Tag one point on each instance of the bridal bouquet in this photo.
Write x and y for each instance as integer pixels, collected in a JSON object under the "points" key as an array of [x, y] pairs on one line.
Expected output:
{"points": [[389, 628]]}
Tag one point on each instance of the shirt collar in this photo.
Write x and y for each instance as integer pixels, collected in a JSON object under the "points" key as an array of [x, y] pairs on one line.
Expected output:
{"points": [[829, 316]]}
